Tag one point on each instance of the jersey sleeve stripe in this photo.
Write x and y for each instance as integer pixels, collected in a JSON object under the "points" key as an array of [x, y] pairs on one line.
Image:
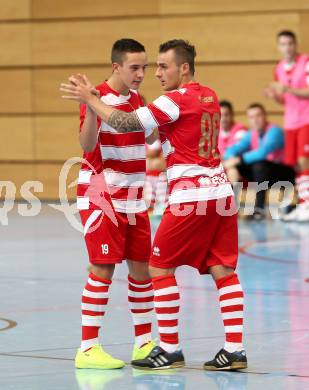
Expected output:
{"points": [[146, 119], [168, 107]]}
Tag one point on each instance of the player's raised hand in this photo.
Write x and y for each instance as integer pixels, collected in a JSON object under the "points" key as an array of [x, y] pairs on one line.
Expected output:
{"points": [[269, 92], [77, 79], [79, 89], [83, 79], [279, 88]]}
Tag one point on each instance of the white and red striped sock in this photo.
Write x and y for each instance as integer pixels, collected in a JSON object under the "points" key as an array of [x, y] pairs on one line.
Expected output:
{"points": [[232, 307], [166, 303], [94, 301], [302, 185], [140, 296]]}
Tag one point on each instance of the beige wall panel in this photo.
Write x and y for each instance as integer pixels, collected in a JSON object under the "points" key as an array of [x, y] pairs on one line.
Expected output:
{"points": [[107, 8], [48, 174], [47, 97], [16, 138], [252, 37], [15, 9], [231, 38], [88, 42], [225, 79], [242, 84], [15, 94], [15, 44], [46, 94], [93, 8], [16, 173], [304, 32], [56, 137], [273, 118], [209, 6]]}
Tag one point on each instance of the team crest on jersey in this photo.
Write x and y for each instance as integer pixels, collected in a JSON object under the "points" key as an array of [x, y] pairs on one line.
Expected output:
{"points": [[156, 251], [206, 99]]}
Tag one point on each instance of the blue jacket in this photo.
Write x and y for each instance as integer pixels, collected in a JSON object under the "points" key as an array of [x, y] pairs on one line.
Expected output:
{"points": [[269, 142]]}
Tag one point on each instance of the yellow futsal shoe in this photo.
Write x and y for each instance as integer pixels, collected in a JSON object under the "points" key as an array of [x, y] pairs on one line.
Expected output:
{"points": [[96, 379], [97, 358], [142, 352]]}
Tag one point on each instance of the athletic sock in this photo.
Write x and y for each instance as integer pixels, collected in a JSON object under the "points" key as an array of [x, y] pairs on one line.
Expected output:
{"points": [[140, 296], [232, 307], [94, 302], [166, 303]]}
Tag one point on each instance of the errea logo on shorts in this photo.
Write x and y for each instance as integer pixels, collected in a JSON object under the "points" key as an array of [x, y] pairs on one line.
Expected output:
{"points": [[156, 251], [105, 249]]}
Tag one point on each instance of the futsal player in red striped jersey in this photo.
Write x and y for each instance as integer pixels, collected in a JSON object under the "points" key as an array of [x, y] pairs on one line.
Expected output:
{"points": [[196, 229], [112, 209]]}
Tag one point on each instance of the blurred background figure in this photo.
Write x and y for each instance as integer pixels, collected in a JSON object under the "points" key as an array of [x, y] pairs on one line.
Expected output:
{"points": [[291, 88], [258, 156], [155, 192], [230, 131]]}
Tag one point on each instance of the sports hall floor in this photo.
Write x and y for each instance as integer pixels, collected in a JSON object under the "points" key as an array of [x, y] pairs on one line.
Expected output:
{"points": [[43, 267]]}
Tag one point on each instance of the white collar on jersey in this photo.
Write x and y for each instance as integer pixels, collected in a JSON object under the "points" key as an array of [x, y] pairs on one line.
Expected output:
{"points": [[113, 100]]}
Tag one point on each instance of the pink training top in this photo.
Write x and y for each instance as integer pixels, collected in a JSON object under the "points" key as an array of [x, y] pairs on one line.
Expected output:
{"points": [[275, 156], [296, 113], [229, 138]]}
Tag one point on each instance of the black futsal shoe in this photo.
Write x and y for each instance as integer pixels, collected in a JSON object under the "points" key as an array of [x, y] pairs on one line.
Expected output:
{"points": [[225, 360], [159, 359]]}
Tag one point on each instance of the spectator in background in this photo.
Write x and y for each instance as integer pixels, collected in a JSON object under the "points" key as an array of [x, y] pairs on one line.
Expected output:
{"points": [[230, 131], [291, 88], [155, 190], [258, 156]]}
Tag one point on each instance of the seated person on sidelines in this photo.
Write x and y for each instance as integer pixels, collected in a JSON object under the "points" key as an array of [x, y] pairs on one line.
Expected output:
{"points": [[230, 131], [258, 156]]}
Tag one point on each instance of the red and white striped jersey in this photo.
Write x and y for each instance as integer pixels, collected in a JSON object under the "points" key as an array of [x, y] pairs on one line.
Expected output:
{"points": [[189, 118], [121, 158]]}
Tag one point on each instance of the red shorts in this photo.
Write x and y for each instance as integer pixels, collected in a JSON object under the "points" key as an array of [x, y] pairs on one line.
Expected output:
{"points": [[296, 144], [108, 243], [200, 241]]}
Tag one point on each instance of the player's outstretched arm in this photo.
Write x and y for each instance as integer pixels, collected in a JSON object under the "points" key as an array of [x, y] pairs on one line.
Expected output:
{"points": [[82, 92], [271, 93], [124, 122], [88, 136]]}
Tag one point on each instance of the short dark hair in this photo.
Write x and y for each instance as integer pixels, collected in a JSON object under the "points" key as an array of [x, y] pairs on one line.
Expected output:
{"points": [[287, 33], [123, 46], [184, 52], [227, 104], [256, 105]]}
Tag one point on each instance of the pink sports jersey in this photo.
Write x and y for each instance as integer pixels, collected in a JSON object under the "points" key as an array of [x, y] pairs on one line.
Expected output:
{"points": [[296, 113], [229, 138], [189, 118], [123, 155]]}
